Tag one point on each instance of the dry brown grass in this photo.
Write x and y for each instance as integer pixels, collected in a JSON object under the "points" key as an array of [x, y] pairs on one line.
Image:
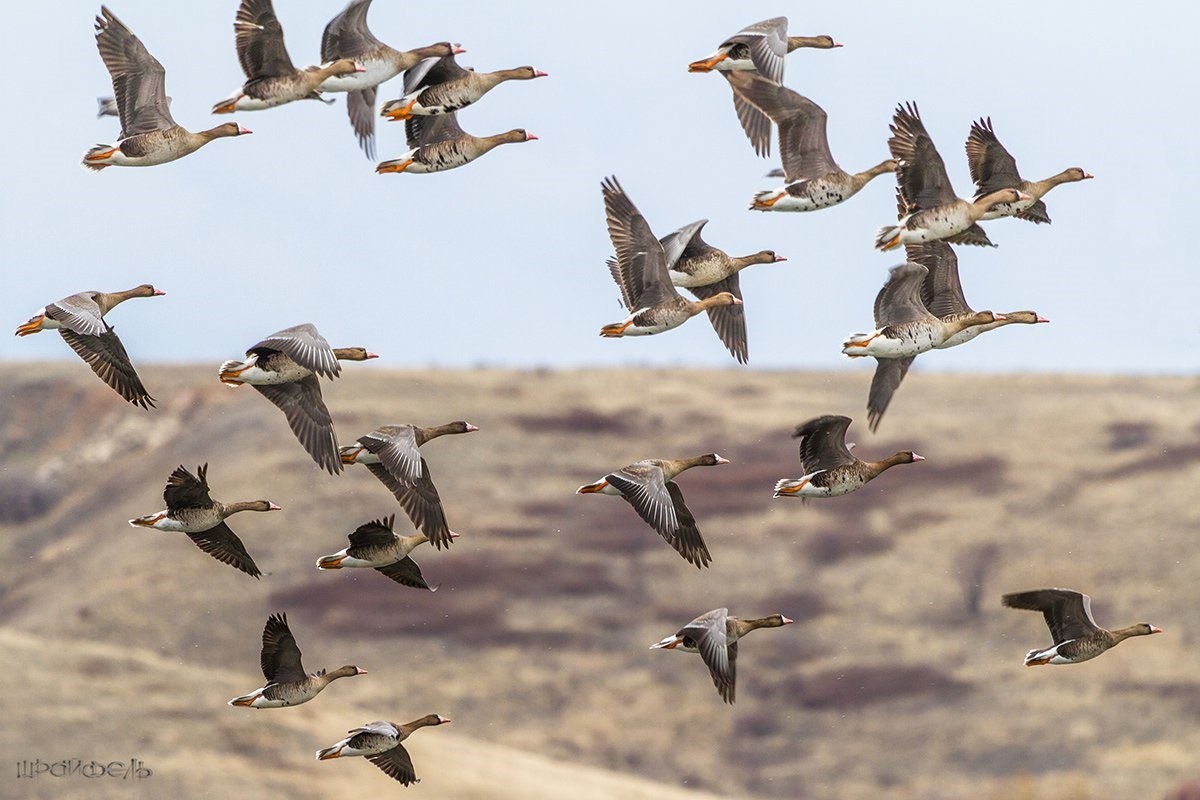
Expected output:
{"points": [[128, 642]]}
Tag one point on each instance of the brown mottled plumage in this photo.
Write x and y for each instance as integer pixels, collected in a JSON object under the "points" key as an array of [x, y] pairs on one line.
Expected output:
{"points": [[287, 682], [714, 635], [1076, 635]]}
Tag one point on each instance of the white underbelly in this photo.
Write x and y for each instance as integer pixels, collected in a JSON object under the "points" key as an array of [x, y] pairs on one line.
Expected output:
{"points": [[376, 73], [1008, 209]]}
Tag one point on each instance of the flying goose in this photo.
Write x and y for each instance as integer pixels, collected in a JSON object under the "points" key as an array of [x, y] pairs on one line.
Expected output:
{"points": [[380, 742], [714, 636], [705, 270], [79, 319], [929, 208], [642, 272], [440, 85], [376, 546], [271, 77], [829, 468], [347, 36], [993, 168], [283, 368], [813, 179], [392, 454], [904, 327], [439, 144], [1076, 635], [760, 48], [191, 510], [287, 682], [149, 135], [942, 295], [649, 486]]}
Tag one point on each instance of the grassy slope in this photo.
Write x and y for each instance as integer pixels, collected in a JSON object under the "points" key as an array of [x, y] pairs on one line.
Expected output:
{"points": [[128, 642]]}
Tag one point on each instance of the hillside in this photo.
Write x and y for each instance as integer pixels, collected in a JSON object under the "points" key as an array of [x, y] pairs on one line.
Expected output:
{"points": [[127, 643]]}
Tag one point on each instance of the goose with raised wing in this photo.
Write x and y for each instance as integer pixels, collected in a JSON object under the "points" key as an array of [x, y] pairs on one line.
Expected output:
{"points": [[439, 144], [758, 48], [942, 295], [993, 168], [284, 368], [381, 743], [79, 319], [1076, 635], [904, 327], [829, 468], [813, 179], [929, 208], [714, 636], [149, 134], [392, 454], [705, 271], [441, 85], [347, 36], [287, 682], [375, 545], [649, 486], [642, 272], [271, 77], [191, 510]]}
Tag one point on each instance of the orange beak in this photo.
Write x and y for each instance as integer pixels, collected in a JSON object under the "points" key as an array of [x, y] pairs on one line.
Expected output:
{"points": [[592, 488]]}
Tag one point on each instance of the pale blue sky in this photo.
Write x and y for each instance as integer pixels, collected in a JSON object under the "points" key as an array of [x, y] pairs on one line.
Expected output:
{"points": [[502, 262]]}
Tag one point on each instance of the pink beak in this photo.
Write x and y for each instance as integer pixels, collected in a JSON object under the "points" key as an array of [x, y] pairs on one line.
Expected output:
{"points": [[1087, 175], [272, 507], [918, 458], [737, 301], [457, 48], [372, 355], [243, 131], [1155, 629], [471, 427], [838, 44], [537, 73], [529, 137], [721, 460], [159, 292], [1042, 319], [359, 68], [787, 621], [998, 316], [780, 258], [360, 671]]}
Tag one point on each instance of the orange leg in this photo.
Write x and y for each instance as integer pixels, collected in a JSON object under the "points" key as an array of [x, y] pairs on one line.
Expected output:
{"points": [[401, 112], [102, 155], [616, 330], [707, 64], [393, 166]]}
